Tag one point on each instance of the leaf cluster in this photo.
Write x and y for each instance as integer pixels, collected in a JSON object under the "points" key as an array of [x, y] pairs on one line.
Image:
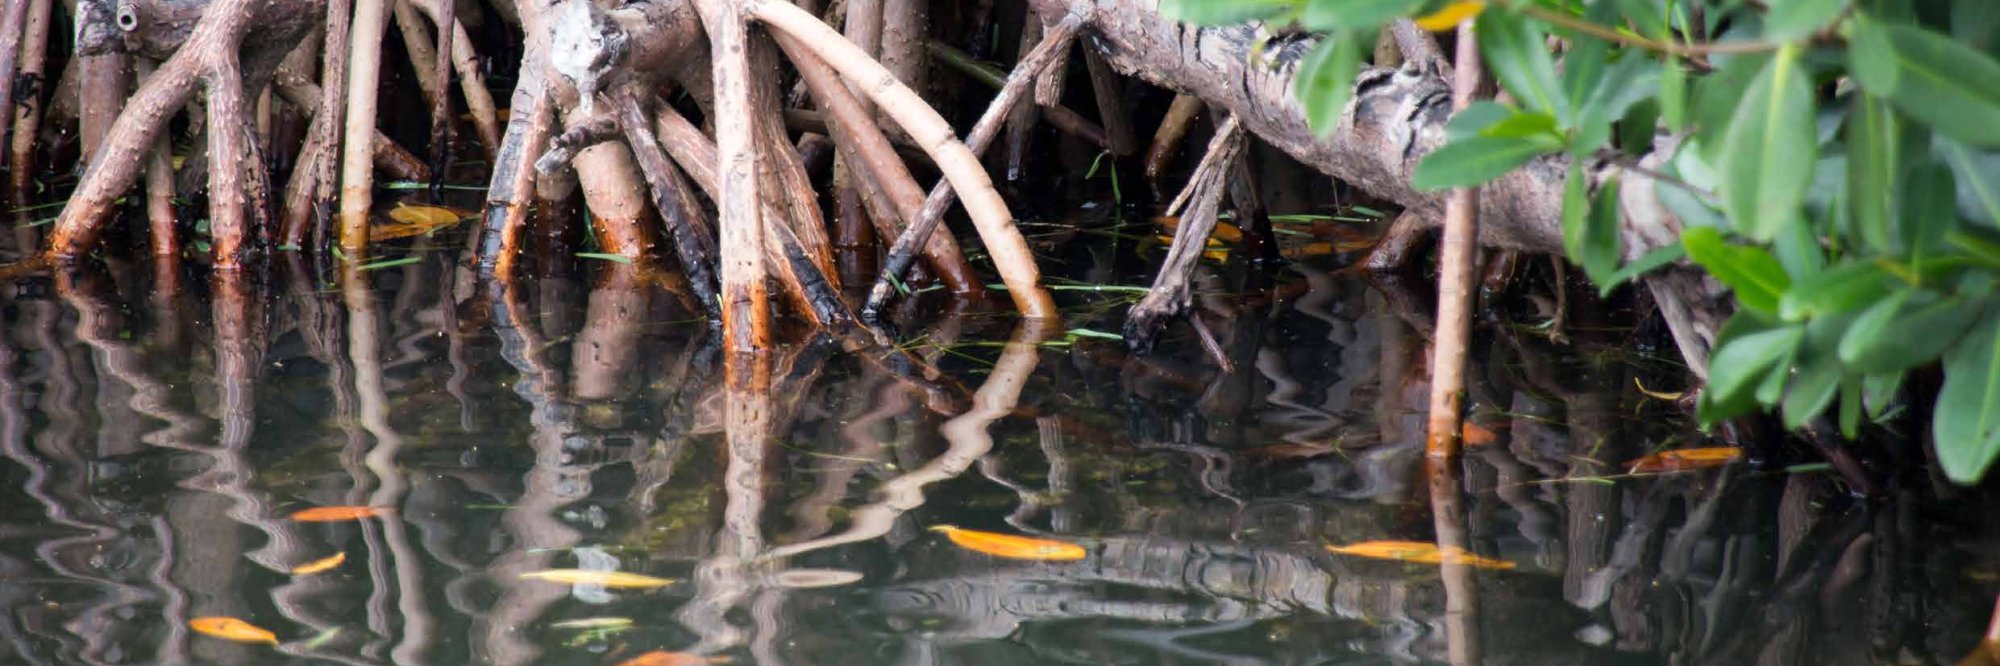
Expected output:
{"points": [[1833, 162]]}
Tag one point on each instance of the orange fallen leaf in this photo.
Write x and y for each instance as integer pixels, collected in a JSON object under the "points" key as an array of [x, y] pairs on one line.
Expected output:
{"points": [[1417, 552], [1474, 434], [1224, 231], [1309, 250], [1681, 460], [613, 579], [1010, 546], [229, 628], [1450, 16], [660, 658], [319, 565], [330, 514]]}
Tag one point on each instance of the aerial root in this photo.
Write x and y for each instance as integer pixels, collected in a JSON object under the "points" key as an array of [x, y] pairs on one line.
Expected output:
{"points": [[1172, 293]]}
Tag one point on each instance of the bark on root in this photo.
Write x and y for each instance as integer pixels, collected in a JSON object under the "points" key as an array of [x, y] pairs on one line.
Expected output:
{"points": [[217, 56], [1172, 293]]}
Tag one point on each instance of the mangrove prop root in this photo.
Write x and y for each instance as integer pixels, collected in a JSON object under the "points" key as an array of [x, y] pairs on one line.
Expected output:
{"points": [[1455, 284], [1055, 41], [1172, 292], [441, 107], [1167, 139], [871, 155], [209, 55], [696, 155], [1111, 108], [1022, 119], [959, 163], [746, 314], [26, 112], [357, 173], [509, 192], [696, 251]]}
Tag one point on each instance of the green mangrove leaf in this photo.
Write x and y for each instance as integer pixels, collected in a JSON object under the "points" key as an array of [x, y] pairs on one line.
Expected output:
{"points": [[1929, 212], [1648, 16], [1326, 15], [1792, 19], [1520, 59], [1646, 263], [1525, 125], [1952, 87], [1874, 149], [1756, 277], [1966, 424], [1221, 12], [1843, 288], [1326, 80], [1769, 150], [1812, 390], [1740, 366], [1908, 329], [1978, 179], [1476, 160], [1475, 118]]}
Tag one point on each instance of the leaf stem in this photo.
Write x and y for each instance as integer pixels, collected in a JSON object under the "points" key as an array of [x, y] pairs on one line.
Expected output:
{"points": [[1669, 47]]}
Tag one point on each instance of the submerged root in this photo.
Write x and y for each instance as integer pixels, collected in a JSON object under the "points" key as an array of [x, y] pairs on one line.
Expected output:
{"points": [[1172, 292]]}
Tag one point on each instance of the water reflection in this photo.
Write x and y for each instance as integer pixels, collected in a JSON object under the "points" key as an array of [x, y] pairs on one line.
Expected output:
{"points": [[159, 429]]}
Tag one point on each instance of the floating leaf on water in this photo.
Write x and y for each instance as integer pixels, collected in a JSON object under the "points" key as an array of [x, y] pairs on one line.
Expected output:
{"points": [[1474, 434], [594, 623], [435, 216], [330, 514], [612, 579], [1010, 546], [322, 639], [661, 658], [1658, 395], [801, 579], [412, 220], [229, 628], [1292, 451], [319, 565], [1418, 552], [1681, 460], [1224, 231], [1450, 16]]}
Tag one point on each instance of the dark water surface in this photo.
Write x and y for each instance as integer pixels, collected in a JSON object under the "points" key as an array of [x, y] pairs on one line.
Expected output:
{"points": [[158, 432]]}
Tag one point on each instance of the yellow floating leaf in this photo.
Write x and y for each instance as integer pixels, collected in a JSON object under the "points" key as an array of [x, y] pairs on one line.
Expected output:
{"points": [[229, 628], [330, 514], [800, 579], [594, 623], [1681, 460], [1658, 395], [1418, 552], [412, 220], [1010, 546], [660, 658], [613, 579], [319, 565], [1452, 15]]}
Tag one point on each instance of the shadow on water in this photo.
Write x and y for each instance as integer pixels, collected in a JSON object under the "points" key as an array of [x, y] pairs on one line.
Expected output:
{"points": [[158, 432]]}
